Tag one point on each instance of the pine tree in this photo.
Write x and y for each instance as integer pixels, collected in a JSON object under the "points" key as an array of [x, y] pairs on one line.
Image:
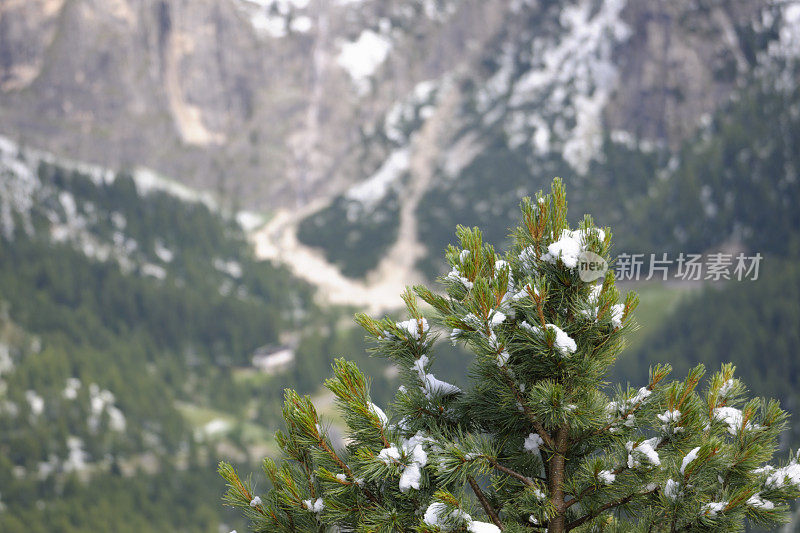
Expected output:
{"points": [[538, 441]]}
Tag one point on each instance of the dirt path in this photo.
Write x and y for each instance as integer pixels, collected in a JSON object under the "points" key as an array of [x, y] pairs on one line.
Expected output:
{"points": [[397, 269], [277, 240]]}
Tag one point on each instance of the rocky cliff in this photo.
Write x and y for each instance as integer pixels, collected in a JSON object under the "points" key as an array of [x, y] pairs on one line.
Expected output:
{"points": [[278, 102]]}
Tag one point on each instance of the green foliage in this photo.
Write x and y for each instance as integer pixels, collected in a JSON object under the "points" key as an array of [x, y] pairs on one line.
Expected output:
{"points": [[167, 501], [486, 192], [752, 324], [61, 289], [736, 180], [126, 344], [352, 235], [537, 439]]}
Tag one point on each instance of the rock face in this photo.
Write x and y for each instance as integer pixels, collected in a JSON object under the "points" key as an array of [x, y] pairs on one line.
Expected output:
{"points": [[279, 102], [679, 63]]}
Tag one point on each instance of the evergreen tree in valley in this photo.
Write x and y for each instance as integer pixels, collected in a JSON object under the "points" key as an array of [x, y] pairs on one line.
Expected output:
{"points": [[537, 441]]}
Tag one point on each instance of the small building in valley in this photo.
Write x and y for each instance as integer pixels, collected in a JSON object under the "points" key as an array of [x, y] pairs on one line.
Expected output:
{"points": [[271, 358]]}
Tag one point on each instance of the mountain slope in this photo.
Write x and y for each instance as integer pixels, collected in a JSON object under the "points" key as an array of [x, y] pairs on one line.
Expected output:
{"points": [[560, 93], [119, 305], [265, 101], [751, 324], [279, 102]]}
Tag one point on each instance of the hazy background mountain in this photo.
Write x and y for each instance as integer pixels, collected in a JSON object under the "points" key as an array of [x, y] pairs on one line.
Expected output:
{"points": [[196, 195], [276, 101]]}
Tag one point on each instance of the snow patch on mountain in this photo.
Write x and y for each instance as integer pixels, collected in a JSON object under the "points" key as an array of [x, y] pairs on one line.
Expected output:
{"points": [[76, 455], [557, 103], [362, 57], [788, 43], [6, 362], [71, 218], [148, 180], [406, 115], [375, 188], [35, 402], [230, 267], [18, 184], [276, 18]]}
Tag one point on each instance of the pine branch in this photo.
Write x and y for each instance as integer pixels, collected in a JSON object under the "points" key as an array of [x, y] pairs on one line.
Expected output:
{"points": [[606, 507], [588, 491], [333, 455], [540, 309], [497, 466], [548, 440], [309, 474], [487, 507], [585, 492], [651, 386]]}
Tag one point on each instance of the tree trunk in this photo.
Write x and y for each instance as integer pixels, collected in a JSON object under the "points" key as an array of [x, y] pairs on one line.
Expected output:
{"points": [[558, 523]]}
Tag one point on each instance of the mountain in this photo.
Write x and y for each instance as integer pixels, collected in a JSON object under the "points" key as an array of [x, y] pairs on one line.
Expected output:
{"points": [[355, 118], [262, 100], [281, 101], [612, 97], [134, 323], [125, 314]]}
